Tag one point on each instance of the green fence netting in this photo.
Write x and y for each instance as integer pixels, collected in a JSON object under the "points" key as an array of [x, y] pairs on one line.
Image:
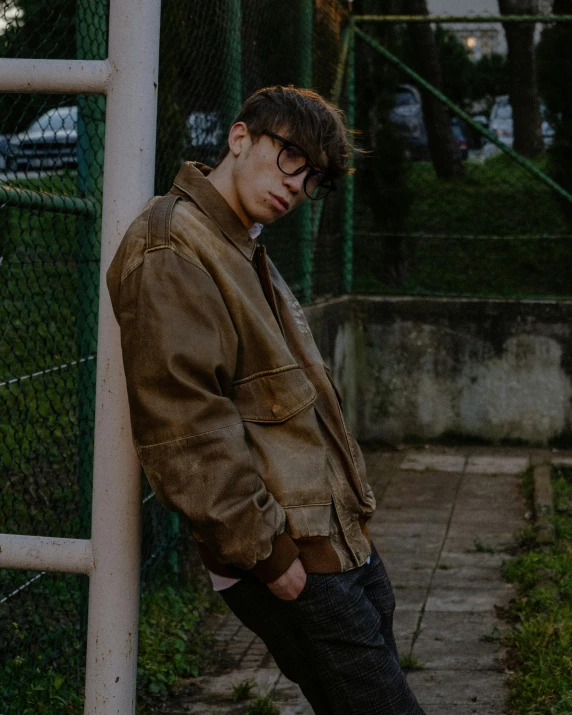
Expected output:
{"points": [[393, 229], [51, 173], [501, 230]]}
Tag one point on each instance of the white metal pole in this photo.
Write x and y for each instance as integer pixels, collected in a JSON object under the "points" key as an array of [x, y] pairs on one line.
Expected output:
{"points": [[55, 76], [44, 553], [128, 183]]}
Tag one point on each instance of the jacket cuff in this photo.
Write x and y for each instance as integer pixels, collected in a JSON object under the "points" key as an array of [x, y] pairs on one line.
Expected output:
{"points": [[284, 553]]}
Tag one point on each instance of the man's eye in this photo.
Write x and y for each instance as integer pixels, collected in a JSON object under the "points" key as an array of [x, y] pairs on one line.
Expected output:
{"points": [[293, 152], [319, 179]]}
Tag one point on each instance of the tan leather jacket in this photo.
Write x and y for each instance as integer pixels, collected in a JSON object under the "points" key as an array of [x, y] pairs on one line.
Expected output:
{"points": [[236, 421]]}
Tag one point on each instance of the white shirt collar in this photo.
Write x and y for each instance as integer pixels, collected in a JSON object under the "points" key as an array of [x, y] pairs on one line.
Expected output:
{"points": [[255, 231]]}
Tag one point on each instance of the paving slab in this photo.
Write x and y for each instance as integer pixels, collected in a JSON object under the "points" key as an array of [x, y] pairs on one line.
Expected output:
{"points": [[469, 600], [410, 578], [562, 461], [421, 461], [429, 546], [480, 542], [479, 692], [482, 488], [474, 559], [400, 567], [465, 576], [411, 598], [445, 519], [501, 464], [458, 641], [462, 708], [408, 528], [405, 625], [395, 511]]}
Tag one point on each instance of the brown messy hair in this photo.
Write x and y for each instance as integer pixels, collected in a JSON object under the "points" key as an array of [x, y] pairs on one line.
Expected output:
{"points": [[314, 124]]}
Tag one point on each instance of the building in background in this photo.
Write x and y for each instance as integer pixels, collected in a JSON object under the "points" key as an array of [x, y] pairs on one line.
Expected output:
{"points": [[479, 38]]}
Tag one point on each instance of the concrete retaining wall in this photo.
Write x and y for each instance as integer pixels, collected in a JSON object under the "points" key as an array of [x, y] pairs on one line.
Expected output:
{"points": [[422, 368]]}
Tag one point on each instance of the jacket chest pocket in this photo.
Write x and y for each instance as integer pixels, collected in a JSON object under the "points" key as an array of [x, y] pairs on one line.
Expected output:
{"points": [[287, 446], [273, 397]]}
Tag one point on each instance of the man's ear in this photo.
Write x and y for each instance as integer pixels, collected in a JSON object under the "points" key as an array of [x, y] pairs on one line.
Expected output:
{"points": [[237, 138]]}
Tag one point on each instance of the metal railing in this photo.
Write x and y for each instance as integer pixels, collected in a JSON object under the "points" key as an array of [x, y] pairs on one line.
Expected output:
{"points": [[128, 79]]}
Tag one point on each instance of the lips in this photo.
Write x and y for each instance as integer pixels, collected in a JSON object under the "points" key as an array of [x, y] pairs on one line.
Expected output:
{"points": [[280, 203]]}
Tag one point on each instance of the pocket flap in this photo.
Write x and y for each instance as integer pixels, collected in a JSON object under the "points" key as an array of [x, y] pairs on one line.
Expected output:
{"points": [[274, 397]]}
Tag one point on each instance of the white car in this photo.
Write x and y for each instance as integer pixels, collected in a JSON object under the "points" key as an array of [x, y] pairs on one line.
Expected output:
{"points": [[501, 123], [49, 142]]}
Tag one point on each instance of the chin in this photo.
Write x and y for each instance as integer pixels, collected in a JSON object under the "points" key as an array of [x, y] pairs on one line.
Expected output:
{"points": [[263, 217]]}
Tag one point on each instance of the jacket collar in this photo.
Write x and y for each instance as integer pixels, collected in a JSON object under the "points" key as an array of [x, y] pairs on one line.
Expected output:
{"points": [[192, 181]]}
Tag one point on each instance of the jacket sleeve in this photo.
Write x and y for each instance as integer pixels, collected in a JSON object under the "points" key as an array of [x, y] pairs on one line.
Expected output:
{"points": [[180, 351]]}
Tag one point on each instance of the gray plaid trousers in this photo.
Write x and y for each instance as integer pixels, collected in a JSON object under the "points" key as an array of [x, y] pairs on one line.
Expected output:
{"points": [[335, 640]]}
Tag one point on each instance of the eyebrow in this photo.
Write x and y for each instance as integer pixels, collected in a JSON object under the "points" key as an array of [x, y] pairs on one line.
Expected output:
{"points": [[317, 167]]}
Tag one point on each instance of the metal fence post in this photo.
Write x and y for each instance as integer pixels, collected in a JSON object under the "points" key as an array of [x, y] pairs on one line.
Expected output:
{"points": [[116, 514], [348, 246], [305, 212], [91, 40]]}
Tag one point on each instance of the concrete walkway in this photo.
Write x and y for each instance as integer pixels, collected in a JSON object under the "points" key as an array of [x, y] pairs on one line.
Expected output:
{"points": [[445, 520]]}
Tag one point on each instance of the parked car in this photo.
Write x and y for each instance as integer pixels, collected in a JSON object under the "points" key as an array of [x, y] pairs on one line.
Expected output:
{"points": [[407, 116], [475, 139], [4, 143], [49, 142], [460, 137], [501, 122]]}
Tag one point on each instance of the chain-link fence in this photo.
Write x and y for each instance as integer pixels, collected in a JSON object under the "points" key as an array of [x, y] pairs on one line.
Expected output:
{"points": [[488, 227], [51, 175], [395, 228]]}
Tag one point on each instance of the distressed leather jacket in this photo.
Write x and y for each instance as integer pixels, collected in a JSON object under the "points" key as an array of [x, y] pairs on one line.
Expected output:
{"points": [[235, 418]]}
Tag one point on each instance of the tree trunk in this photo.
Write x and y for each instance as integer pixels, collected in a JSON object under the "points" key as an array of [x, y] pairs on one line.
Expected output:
{"points": [[562, 7], [444, 154], [381, 181], [523, 88]]}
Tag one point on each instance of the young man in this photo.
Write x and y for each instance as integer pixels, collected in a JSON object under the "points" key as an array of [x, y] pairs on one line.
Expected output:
{"points": [[235, 418]]}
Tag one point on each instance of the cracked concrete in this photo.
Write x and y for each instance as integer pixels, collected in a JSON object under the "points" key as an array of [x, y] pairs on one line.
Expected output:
{"points": [[444, 521]]}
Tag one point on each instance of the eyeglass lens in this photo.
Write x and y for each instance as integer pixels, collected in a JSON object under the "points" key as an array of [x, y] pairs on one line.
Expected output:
{"points": [[292, 160], [314, 188]]}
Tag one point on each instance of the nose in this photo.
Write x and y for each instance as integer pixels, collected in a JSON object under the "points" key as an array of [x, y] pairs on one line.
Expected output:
{"points": [[295, 183]]}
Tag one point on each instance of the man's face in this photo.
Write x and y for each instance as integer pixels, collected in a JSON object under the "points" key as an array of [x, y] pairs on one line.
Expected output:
{"points": [[263, 192]]}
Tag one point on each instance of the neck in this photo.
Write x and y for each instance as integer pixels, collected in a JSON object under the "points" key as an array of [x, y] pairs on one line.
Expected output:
{"points": [[223, 181]]}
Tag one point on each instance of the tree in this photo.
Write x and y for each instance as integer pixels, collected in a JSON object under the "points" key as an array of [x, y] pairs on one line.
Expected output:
{"points": [[381, 179], [446, 159], [490, 78], [457, 67], [523, 89], [555, 78]]}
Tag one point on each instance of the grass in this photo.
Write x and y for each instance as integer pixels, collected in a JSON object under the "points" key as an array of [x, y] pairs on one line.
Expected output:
{"points": [[43, 645], [262, 706], [172, 643], [410, 662], [39, 308], [242, 691], [482, 547], [540, 642], [496, 198], [43, 421]]}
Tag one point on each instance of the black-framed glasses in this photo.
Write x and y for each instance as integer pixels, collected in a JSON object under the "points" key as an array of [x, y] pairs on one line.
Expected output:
{"points": [[292, 160]]}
